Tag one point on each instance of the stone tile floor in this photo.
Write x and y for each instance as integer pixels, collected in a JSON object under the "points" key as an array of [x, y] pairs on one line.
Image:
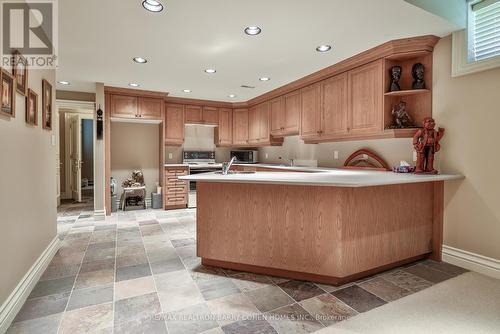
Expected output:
{"points": [[137, 272]]}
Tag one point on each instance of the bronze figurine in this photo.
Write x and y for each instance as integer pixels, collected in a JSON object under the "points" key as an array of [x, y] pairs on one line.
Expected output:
{"points": [[426, 143], [396, 76], [417, 71], [401, 118]]}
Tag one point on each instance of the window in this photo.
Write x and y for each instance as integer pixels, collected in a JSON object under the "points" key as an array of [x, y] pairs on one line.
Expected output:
{"points": [[477, 48], [484, 30]]}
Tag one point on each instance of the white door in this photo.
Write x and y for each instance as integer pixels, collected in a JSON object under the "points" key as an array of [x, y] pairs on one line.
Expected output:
{"points": [[75, 156]]}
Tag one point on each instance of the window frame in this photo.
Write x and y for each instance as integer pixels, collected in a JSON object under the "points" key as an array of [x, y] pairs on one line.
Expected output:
{"points": [[461, 63]]}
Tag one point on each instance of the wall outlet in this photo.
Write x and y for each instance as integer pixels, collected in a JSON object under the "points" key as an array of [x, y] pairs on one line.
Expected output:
{"points": [[414, 156], [335, 155], [170, 156], [53, 140], [267, 155]]}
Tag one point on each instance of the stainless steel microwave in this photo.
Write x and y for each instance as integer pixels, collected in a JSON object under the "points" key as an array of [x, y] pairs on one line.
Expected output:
{"points": [[246, 156]]}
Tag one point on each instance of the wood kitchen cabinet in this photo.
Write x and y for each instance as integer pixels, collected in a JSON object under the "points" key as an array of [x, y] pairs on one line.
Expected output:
{"points": [[285, 114], [310, 111], [366, 91], [258, 125], [133, 107], [254, 125], [174, 124], [201, 115], [175, 190], [224, 132], [240, 127]]}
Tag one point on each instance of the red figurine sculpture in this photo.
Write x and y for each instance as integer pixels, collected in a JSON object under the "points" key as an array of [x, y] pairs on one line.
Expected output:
{"points": [[426, 143]]}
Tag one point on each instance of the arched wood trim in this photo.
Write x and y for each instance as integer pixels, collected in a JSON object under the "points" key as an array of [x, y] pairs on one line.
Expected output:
{"points": [[355, 158]]}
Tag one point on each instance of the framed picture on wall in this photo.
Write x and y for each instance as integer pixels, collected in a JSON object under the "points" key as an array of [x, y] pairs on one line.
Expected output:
{"points": [[7, 94], [20, 71], [32, 108], [46, 105]]}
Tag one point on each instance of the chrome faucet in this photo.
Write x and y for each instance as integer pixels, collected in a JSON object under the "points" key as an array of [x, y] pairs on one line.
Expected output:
{"points": [[226, 166]]}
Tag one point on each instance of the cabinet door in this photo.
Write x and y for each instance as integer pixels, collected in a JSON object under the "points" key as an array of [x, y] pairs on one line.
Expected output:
{"points": [[150, 108], [194, 114], [210, 115], [124, 106], [334, 106], [240, 126], [254, 125], [291, 120], [263, 122], [277, 115], [365, 98], [224, 132], [310, 111], [174, 124]]}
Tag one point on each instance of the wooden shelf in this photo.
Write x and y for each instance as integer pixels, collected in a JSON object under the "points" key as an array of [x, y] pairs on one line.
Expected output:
{"points": [[408, 92], [400, 133]]}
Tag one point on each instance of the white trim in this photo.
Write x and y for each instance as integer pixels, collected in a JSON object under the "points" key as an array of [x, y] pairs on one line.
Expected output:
{"points": [[459, 57], [15, 301], [99, 214], [472, 261], [69, 104]]}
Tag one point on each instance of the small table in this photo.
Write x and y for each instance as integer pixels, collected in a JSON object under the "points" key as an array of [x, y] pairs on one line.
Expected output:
{"points": [[133, 191]]}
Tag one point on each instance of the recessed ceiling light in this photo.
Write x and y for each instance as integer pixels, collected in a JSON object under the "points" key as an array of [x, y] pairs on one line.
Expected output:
{"points": [[264, 79], [152, 5], [323, 48], [63, 82], [186, 90], [231, 95], [210, 71], [133, 84], [140, 60], [252, 30]]}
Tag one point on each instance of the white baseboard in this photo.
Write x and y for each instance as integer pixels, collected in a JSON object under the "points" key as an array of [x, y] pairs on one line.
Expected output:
{"points": [[475, 262], [15, 301], [99, 214]]}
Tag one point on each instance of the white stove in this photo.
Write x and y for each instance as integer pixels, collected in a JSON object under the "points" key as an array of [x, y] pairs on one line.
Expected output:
{"points": [[199, 162]]}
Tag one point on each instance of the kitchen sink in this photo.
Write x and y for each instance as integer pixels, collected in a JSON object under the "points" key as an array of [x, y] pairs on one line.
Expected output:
{"points": [[237, 172]]}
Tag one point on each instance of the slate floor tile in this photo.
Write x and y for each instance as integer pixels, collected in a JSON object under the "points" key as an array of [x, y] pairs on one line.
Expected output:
{"points": [[134, 287], [137, 308], [131, 260], [300, 290], [232, 308], [42, 307], [131, 272], [94, 278], [93, 319], [183, 242], [166, 266], [328, 309], [384, 289], [191, 320], [406, 280], [358, 298], [249, 281], [150, 325], [52, 287], [268, 298], [60, 271], [45, 325], [292, 319], [99, 254], [97, 265], [216, 288], [427, 273], [90, 296], [447, 268], [102, 245], [259, 326]]}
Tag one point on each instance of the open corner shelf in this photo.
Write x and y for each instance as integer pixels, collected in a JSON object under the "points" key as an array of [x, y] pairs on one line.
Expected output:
{"points": [[400, 133], [408, 92]]}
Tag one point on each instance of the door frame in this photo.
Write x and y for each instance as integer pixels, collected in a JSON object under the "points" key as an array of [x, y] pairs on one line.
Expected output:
{"points": [[69, 107]]}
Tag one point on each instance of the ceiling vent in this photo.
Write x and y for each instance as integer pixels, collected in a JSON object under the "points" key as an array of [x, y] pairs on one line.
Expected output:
{"points": [[247, 86]]}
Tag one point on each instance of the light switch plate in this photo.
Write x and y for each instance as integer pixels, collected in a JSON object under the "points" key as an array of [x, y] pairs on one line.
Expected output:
{"points": [[414, 156], [170, 155], [267, 155], [53, 140], [336, 155]]}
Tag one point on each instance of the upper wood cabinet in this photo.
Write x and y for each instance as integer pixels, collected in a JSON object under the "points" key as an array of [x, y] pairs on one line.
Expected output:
{"points": [[254, 125], [285, 115], [174, 124], [310, 111], [224, 132], [126, 106], [201, 115], [334, 111], [258, 126], [240, 127], [366, 90]]}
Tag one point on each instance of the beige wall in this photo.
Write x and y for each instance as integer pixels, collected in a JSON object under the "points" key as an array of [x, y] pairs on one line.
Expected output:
{"points": [[135, 146], [75, 96], [469, 108], [27, 189]]}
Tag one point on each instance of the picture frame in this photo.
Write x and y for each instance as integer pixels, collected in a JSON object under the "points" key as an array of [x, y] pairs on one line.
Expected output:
{"points": [[32, 107], [47, 112], [20, 72], [7, 94]]}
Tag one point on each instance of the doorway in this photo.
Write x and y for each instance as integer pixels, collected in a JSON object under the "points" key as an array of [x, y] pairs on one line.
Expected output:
{"points": [[76, 151]]}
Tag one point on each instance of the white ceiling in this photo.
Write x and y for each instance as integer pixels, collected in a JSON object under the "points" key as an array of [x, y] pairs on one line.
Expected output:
{"points": [[99, 38]]}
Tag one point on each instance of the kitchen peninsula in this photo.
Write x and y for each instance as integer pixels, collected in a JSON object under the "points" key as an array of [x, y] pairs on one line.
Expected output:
{"points": [[323, 225]]}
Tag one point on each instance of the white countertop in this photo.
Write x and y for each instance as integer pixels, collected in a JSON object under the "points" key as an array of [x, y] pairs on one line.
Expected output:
{"points": [[321, 177]]}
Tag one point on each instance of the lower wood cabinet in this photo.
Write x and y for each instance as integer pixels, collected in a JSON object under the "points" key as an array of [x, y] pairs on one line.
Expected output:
{"points": [[176, 191], [174, 124]]}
